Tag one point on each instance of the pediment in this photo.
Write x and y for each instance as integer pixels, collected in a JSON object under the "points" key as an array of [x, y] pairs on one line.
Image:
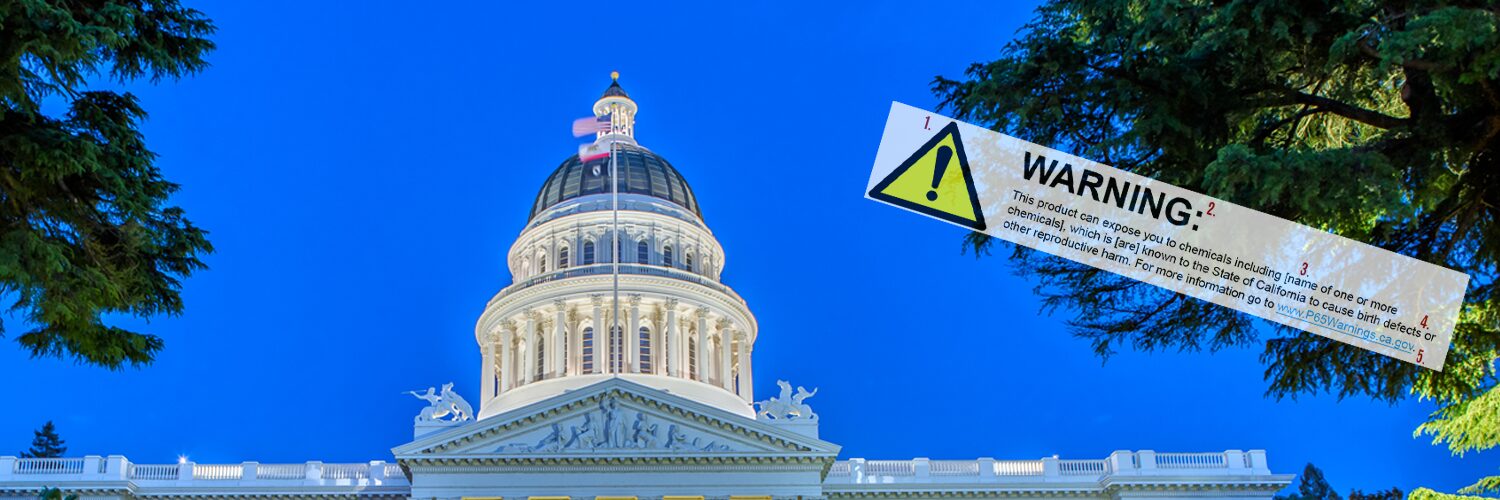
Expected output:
{"points": [[615, 418]]}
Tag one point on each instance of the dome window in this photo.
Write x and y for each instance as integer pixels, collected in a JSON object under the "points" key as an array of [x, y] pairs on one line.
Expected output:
{"points": [[562, 258], [588, 350], [645, 350], [588, 253]]}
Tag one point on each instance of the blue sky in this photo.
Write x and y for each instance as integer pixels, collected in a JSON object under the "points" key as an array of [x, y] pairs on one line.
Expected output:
{"points": [[364, 168]]}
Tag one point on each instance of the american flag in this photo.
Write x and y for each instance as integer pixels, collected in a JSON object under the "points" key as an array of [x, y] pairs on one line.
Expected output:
{"points": [[590, 125]]}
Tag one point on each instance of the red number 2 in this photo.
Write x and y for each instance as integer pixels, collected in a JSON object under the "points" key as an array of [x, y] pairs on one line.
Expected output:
{"points": [[1210, 209]]}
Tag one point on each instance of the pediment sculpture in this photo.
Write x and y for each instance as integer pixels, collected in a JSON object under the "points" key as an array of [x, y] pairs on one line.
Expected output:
{"points": [[612, 426]]}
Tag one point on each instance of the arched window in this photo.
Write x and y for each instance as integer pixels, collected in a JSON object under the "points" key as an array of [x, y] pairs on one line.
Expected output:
{"points": [[687, 262], [588, 253], [666, 256], [562, 258], [588, 350], [616, 350], [643, 252], [692, 357], [541, 266], [541, 356], [645, 350]]}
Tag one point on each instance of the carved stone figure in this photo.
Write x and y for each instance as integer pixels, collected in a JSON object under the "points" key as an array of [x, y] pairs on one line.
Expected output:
{"points": [[583, 436], [442, 405], [435, 409], [800, 408], [643, 433], [786, 406], [553, 441], [460, 408], [676, 440], [614, 423]]}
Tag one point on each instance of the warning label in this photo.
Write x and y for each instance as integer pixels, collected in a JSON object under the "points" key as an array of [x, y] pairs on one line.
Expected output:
{"points": [[1171, 237]]}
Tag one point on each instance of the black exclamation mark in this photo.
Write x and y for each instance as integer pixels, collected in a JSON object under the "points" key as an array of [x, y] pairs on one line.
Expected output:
{"points": [[944, 153]]}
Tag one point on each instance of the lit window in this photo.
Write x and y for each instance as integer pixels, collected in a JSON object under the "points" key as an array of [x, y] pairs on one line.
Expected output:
{"points": [[562, 258], [616, 350], [645, 350], [643, 252], [666, 256], [541, 356], [588, 350], [692, 358], [588, 253]]}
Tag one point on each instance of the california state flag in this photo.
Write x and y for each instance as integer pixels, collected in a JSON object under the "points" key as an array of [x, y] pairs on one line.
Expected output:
{"points": [[592, 151]]}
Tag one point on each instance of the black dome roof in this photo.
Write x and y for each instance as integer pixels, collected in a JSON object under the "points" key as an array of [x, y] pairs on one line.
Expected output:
{"points": [[642, 172]]}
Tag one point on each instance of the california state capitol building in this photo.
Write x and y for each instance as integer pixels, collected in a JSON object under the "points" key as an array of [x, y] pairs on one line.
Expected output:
{"points": [[618, 367]]}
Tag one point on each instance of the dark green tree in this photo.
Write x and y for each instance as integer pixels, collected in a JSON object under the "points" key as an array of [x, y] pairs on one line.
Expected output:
{"points": [[46, 443], [85, 228], [56, 494], [1390, 494], [1376, 120], [1311, 485]]}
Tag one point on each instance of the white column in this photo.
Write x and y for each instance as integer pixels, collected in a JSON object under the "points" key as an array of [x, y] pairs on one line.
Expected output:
{"points": [[726, 377], [673, 340], [528, 359], [632, 337], [742, 362], [575, 344], [659, 342], [487, 356], [507, 344], [599, 333], [557, 349], [702, 344]]}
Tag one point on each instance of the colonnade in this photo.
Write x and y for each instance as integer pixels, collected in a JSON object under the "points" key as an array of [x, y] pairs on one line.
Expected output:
{"points": [[652, 335]]}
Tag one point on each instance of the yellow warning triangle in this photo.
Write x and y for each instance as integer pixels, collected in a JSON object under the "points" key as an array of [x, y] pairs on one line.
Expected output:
{"points": [[935, 181]]}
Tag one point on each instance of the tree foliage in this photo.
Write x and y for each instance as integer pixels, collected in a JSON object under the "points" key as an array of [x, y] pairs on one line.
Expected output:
{"points": [[85, 227], [56, 494], [1376, 120], [1311, 485], [46, 443]]}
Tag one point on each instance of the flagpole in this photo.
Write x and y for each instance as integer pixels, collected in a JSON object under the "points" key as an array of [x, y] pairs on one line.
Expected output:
{"points": [[614, 256]]}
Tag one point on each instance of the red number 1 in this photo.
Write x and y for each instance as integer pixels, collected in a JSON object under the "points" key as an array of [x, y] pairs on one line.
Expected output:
{"points": [[926, 123]]}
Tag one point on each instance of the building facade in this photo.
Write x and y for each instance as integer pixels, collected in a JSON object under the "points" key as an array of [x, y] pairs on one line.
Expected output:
{"points": [[617, 366]]}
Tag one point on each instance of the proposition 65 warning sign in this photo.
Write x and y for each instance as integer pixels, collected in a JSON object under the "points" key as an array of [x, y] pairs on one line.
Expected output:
{"points": [[1167, 236]]}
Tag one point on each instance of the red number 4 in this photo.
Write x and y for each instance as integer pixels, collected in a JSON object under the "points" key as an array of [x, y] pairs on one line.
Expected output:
{"points": [[1424, 321]]}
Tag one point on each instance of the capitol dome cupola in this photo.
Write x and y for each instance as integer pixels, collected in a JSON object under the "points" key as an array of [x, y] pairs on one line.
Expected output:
{"points": [[620, 109], [616, 275]]}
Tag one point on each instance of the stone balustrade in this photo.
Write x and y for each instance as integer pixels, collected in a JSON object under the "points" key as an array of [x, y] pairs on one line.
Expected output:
{"points": [[95, 472], [856, 471], [381, 479]]}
